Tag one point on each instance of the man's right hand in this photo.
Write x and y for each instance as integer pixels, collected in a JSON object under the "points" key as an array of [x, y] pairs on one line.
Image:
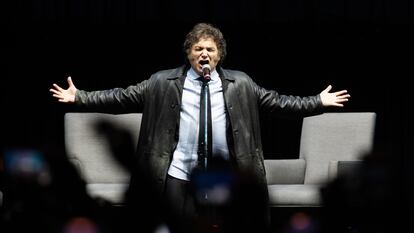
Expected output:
{"points": [[65, 96]]}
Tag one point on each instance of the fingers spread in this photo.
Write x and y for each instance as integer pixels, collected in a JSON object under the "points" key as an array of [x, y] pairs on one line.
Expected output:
{"points": [[341, 100], [54, 91], [70, 81], [57, 87], [327, 89], [341, 92]]}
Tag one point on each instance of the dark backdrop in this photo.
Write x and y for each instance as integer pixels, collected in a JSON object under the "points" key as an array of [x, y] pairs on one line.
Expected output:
{"points": [[293, 46]]}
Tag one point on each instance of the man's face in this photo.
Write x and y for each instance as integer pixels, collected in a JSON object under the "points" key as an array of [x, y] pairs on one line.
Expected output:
{"points": [[205, 50]]}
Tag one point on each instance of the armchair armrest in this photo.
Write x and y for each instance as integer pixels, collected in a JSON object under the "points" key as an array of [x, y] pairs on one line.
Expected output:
{"points": [[285, 171], [339, 168]]}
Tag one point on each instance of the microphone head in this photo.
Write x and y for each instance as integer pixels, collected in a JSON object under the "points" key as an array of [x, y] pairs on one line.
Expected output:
{"points": [[206, 72], [206, 67]]}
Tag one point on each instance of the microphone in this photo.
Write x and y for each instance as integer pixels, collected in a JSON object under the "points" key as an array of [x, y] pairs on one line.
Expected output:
{"points": [[206, 72]]}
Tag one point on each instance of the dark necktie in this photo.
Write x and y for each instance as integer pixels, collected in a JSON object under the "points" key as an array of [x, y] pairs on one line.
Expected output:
{"points": [[205, 153], [205, 134]]}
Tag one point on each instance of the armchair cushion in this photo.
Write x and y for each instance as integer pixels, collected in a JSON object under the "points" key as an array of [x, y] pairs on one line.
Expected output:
{"points": [[294, 195], [113, 192]]}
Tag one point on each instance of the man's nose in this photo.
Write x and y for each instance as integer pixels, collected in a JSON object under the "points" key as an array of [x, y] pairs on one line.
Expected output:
{"points": [[204, 53]]}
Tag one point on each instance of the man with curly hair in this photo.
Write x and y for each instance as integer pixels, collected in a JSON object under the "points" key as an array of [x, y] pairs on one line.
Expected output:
{"points": [[170, 102]]}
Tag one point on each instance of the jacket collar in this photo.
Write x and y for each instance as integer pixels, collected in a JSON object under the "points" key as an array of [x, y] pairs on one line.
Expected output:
{"points": [[224, 74], [178, 72]]}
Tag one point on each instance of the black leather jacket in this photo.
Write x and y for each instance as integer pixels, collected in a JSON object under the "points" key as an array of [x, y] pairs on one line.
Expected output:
{"points": [[159, 98]]}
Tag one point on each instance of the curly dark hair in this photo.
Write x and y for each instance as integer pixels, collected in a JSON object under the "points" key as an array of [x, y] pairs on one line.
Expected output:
{"points": [[205, 30]]}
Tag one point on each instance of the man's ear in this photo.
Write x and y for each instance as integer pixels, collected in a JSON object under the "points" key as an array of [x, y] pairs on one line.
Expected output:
{"points": [[187, 53]]}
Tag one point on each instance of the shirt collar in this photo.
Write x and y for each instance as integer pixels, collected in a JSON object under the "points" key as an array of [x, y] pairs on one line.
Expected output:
{"points": [[191, 73]]}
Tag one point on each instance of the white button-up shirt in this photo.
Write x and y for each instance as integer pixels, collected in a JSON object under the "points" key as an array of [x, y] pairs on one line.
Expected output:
{"points": [[185, 155]]}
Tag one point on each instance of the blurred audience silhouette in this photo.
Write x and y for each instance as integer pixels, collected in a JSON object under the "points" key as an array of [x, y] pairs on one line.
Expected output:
{"points": [[43, 192], [367, 198]]}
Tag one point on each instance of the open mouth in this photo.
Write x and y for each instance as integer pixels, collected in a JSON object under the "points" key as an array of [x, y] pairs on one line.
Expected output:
{"points": [[203, 62]]}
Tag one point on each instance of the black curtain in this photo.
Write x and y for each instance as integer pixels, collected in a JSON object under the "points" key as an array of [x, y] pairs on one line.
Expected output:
{"points": [[293, 46]]}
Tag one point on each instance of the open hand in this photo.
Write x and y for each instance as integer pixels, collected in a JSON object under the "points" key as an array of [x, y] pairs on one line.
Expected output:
{"points": [[335, 98], [64, 95]]}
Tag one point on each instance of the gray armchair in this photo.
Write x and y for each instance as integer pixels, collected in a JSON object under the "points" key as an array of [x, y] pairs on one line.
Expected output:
{"points": [[88, 149], [329, 143]]}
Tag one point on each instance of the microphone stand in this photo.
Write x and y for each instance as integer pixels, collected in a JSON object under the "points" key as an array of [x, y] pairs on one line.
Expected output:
{"points": [[206, 150], [205, 96]]}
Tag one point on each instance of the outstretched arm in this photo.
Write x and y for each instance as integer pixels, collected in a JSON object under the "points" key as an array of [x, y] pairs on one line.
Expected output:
{"points": [[335, 98], [64, 95]]}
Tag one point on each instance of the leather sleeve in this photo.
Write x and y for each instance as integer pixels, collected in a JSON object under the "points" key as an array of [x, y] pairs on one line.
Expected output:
{"points": [[272, 101], [117, 100]]}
